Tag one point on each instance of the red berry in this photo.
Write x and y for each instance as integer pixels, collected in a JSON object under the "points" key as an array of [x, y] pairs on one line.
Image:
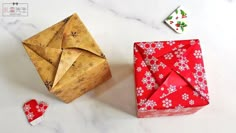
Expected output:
{"points": [[176, 17], [177, 25], [171, 22]]}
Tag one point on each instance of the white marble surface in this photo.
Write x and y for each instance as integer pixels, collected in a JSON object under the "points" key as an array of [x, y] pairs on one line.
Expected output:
{"points": [[116, 24]]}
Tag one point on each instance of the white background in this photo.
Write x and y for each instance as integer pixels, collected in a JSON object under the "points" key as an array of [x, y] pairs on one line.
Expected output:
{"points": [[115, 25]]}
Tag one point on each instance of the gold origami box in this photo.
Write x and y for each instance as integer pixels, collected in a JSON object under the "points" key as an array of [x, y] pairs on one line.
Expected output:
{"points": [[68, 59]]}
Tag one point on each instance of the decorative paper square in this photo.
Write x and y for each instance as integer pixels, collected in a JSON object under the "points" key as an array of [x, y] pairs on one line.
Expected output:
{"points": [[178, 20]]}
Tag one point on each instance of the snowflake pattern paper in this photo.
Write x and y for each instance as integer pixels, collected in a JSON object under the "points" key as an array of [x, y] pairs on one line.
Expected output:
{"points": [[178, 20], [170, 78], [34, 111]]}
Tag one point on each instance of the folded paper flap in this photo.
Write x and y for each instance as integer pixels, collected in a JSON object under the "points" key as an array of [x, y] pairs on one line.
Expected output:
{"points": [[77, 36], [45, 69], [62, 43], [45, 36], [148, 76], [183, 50], [163, 47], [192, 71], [71, 33], [68, 57], [174, 87], [52, 55]]}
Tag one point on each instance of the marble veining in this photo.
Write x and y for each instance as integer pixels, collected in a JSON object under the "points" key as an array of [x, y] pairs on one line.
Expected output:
{"points": [[111, 107]]}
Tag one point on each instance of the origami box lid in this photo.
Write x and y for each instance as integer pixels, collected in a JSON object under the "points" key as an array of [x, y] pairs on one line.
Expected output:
{"points": [[166, 71], [59, 46]]}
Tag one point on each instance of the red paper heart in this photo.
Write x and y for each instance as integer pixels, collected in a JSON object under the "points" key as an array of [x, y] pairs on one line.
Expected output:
{"points": [[34, 111]]}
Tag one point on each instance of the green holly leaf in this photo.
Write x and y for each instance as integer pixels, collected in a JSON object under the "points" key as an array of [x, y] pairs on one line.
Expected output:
{"points": [[176, 11], [182, 12], [179, 22], [170, 17], [182, 28]]}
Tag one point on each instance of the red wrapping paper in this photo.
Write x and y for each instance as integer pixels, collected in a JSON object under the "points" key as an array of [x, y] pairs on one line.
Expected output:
{"points": [[169, 78]]}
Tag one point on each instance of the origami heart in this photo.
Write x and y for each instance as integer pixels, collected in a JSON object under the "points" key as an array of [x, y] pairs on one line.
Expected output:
{"points": [[34, 111]]}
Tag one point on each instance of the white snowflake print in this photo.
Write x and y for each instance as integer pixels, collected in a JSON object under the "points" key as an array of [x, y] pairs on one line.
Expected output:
{"points": [[204, 94], [161, 76], [180, 52], [149, 81], [195, 93], [142, 102], [38, 108], [135, 49], [149, 51], [44, 105], [155, 67], [182, 64], [168, 56], [198, 67], [142, 45], [150, 47], [170, 43], [207, 96], [180, 45], [185, 96], [143, 64], [41, 108], [139, 69], [153, 63], [192, 42], [26, 108], [171, 89], [200, 77], [197, 54], [191, 102], [151, 104], [174, 49], [139, 91], [197, 88], [159, 45], [162, 88], [166, 103], [189, 79], [30, 116], [179, 108]]}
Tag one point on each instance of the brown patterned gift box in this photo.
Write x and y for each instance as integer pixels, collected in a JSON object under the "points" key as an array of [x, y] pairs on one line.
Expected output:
{"points": [[68, 59]]}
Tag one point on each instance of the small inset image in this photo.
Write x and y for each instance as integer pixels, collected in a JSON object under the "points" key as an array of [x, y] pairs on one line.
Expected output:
{"points": [[15, 9], [178, 20]]}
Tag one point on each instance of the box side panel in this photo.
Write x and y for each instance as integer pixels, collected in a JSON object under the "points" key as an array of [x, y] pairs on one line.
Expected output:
{"points": [[85, 82], [168, 112]]}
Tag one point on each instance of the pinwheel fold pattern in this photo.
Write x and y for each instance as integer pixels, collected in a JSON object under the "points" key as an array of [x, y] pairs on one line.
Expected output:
{"points": [[68, 59], [169, 78]]}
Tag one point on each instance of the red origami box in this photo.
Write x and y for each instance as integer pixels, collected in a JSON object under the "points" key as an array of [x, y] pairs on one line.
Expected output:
{"points": [[169, 78]]}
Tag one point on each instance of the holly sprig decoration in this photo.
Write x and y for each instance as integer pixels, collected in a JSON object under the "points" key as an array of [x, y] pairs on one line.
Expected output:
{"points": [[183, 13], [181, 25], [170, 17]]}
